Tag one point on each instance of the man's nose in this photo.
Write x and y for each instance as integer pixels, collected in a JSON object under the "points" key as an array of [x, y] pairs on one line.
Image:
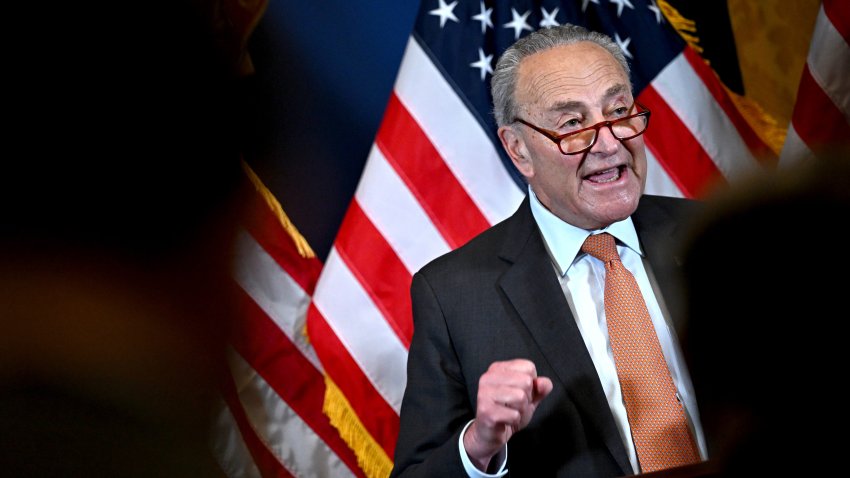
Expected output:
{"points": [[605, 143]]}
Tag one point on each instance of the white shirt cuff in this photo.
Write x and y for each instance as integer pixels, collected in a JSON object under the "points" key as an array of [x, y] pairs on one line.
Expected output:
{"points": [[474, 472]]}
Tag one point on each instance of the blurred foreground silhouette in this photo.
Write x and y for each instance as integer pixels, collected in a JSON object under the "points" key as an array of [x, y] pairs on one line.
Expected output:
{"points": [[116, 219], [767, 278]]}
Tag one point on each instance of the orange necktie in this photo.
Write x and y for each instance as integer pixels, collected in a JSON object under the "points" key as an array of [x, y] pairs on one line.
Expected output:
{"points": [[657, 418]]}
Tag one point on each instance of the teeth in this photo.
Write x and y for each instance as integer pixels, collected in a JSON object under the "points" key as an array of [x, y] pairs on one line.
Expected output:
{"points": [[606, 176], [614, 178]]}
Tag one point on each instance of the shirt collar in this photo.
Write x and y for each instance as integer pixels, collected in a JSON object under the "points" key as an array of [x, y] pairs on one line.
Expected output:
{"points": [[564, 240]]}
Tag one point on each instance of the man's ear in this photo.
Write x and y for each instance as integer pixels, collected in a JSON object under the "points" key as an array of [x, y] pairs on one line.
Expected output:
{"points": [[514, 145]]}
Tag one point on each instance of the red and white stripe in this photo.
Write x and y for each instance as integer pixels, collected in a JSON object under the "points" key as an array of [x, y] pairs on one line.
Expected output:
{"points": [[271, 422], [696, 134], [434, 179], [821, 117], [425, 190]]}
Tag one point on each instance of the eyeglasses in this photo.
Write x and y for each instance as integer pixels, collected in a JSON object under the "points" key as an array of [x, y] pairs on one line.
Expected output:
{"points": [[576, 142]]}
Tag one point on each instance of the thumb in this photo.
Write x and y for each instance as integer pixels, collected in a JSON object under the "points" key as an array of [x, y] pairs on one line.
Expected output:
{"points": [[542, 387]]}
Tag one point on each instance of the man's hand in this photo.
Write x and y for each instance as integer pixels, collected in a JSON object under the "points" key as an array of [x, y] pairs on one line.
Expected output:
{"points": [[508, 394]]}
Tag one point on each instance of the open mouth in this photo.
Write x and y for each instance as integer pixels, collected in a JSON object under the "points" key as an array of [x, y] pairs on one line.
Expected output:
{"points": [[607, 176]]}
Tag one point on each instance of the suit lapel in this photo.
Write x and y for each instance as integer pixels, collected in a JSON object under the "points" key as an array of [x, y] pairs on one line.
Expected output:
{"points": [[545, 313]]}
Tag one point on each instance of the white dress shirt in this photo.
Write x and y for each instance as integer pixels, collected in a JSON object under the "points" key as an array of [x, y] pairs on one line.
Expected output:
{"points": [[582, 280]]}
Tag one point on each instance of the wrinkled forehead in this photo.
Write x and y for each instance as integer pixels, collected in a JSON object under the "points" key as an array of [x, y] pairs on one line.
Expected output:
{"points": [[581, 73]]}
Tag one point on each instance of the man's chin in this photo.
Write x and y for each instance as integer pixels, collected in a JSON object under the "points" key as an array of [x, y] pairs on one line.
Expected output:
{"points": [[609, 210]]}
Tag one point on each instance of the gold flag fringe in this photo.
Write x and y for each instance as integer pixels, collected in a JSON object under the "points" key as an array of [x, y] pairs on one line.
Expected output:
{"points": [[370, 456], [685, 27], [301, 244], [762, 123]]}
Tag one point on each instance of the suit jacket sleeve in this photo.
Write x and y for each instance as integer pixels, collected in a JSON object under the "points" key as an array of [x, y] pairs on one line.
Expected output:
{"points": [[436, 405]]}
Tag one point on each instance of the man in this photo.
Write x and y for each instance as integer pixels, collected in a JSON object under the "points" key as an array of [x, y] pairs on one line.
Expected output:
{"points": [[511, 367]]}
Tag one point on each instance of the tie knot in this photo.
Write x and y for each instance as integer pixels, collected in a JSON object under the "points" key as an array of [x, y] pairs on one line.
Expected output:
{"points": [[601, 246]]}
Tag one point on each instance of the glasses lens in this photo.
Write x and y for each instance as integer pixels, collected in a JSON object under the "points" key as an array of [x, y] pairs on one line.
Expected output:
{"points": [[629, 127], [577, 142]]}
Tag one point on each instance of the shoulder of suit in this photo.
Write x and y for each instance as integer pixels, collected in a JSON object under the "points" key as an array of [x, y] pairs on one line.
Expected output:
{"points": [[671, 201], [671, 205]]}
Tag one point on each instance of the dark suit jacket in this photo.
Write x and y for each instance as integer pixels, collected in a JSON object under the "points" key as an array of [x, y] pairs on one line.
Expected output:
{"points": [[498, 298]]}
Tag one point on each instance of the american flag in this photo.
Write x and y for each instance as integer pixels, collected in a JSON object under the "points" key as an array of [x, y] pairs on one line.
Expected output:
{"points": [[436, 176], [327, 405], [270, 421], [820, 122]]}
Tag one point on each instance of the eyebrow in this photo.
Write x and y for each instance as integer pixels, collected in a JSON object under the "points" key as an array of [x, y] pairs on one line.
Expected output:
{"points": [[615, 90], [581, 106]]}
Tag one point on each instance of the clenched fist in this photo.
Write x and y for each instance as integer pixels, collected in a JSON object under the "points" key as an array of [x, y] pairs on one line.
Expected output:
{"points": [[508, 394]]}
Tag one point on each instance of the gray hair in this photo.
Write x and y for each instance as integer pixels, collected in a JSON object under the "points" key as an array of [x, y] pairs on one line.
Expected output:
{"points": [[503, 83]]}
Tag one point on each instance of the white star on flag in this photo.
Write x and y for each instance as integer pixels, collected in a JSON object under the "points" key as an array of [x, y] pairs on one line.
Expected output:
{"points": [[624, 44], [484, 18], [657, 11], [518, 23], [621, 4], [549, 18], [483, 64], [445, 12]]}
